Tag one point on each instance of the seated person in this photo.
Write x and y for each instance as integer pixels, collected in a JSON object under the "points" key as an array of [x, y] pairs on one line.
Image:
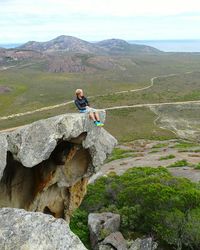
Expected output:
{"points": [[84, 107]]}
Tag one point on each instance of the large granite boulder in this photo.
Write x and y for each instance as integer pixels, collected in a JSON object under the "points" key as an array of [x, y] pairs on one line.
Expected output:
{"points": [[114, 241], [102, 225], [21, 230], [45, 166]]}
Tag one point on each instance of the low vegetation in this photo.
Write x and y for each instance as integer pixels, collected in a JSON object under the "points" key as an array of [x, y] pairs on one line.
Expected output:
{"points": [[160, 145], [185, 145], [197, 166], [167, 157], [135, 123], [151, 202], [33, 87], [181, 163], [119, 153]]}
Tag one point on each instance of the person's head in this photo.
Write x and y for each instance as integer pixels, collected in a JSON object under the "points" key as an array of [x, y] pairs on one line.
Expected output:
{"points": [[79, 93]]}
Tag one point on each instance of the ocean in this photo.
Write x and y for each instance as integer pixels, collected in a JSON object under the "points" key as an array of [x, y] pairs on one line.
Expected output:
{"points": [[171, 45], [10, 46]]}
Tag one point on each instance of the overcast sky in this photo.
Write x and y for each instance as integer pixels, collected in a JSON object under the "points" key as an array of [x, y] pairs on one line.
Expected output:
{"points": [[42, 20]]}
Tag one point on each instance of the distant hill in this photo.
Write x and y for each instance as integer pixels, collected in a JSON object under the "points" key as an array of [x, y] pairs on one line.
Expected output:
{"points": [[121, 46], [8, 56], [71, 54], [76, 45], [62, 43]]}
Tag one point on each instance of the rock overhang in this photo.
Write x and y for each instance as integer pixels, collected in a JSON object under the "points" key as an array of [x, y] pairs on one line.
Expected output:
{"points": [[45, 166], [33, 143]]}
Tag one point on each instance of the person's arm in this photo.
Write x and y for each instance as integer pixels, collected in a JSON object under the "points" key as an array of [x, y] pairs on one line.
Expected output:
{"points": [[86, 101], [78, 105]]}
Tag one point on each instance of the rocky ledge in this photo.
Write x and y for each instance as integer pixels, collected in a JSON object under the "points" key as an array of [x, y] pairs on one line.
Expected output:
{"points": [[45, 166], [22, 230]]}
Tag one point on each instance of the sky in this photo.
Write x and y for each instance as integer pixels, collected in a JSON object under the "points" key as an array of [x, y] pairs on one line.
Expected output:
{"points": [[94, 20]]}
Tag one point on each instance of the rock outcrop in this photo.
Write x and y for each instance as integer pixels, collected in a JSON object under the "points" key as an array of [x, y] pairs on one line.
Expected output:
{"points": [[45, 166], [113, 241], [105, 235], [22, 230], [101, 225]]}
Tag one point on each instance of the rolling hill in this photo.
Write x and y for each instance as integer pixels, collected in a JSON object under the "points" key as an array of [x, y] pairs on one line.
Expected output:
{"points": [[75, 45], [120, 46], [62, 43], [71, 54]]}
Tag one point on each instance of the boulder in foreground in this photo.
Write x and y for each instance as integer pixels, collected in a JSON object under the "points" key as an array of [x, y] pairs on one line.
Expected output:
{"points": [[21, 230]]}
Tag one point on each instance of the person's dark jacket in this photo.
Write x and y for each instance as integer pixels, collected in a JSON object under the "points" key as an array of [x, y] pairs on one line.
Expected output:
{"points": [[81, 103]]}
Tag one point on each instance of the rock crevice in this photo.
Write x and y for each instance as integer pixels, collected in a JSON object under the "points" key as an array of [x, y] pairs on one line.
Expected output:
{"points": [[45, 166]]}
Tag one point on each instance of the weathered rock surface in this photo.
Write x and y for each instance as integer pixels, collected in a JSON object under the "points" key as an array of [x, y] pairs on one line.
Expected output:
{"points": [[115, 240], [102, 225], [105, 235], [144, 244], [21, 230], [45, 166]]}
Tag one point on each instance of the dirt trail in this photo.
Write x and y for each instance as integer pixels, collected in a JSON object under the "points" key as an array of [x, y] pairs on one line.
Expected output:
{"points": [[69, 102], [8, 67], [110, 108], [35, 111], [116, 107], [14, 66], [151, 104]]}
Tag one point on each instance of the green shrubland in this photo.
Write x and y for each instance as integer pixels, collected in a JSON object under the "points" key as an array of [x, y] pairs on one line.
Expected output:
{"points": [[151, 202]]}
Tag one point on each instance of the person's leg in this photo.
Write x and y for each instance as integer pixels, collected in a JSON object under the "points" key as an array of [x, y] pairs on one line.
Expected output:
{"points": [[92, 116], [96, 115]]}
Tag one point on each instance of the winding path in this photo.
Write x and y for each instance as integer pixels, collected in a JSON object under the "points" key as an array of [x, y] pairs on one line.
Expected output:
{"points": [[14, 66], [110, 108]]}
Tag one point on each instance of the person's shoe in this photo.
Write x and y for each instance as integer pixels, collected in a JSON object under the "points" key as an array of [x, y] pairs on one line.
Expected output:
{"points": [[96, 123], [100, 124]]}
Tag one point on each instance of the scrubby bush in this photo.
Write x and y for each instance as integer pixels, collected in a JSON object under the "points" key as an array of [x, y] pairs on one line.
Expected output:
{"points": [[197, 166], [181, 163], [167, 157], [78, 225], [119, 153], [150, 201]]}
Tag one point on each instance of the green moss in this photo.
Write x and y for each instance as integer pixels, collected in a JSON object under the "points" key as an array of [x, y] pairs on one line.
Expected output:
{"points": [[104, 233]]}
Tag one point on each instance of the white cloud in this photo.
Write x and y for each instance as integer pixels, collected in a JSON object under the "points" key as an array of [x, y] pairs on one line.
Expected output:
{"points": [[22, 20], [131, 7], [101, 7]]}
